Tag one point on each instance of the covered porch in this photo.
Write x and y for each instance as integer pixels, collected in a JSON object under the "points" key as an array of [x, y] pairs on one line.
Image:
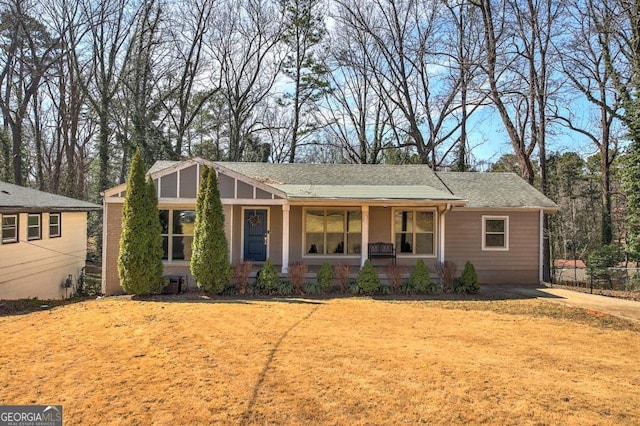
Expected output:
{"points": [[337, 233]]}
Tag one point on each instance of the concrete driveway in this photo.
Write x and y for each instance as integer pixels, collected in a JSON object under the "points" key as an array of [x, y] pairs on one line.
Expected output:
{"points": [[622, 308]]}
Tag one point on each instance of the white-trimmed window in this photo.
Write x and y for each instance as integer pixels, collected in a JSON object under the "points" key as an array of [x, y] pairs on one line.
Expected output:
{"points": [[177, 234], [495, 233], [414, 232], [55, 225], [34, 226], [332, 231], [9, 228]]}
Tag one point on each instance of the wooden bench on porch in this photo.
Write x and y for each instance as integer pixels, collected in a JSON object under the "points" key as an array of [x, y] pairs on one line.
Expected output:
{"points": [[381, 250]]}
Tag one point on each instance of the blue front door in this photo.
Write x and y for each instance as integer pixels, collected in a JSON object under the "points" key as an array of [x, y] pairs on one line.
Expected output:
{"points": [[255, 235]]}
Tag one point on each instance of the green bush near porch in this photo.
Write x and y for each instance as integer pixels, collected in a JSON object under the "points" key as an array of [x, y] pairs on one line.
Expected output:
{"points": [[368, 279], [420, 280], [468, 282]]}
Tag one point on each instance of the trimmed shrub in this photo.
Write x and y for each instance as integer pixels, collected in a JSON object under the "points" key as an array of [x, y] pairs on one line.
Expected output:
{"points": [[241, 272], [343, 274], [420, 280], [140, 257], [447, 273], [209, 260], [268, 279], [468, 282], [325, 277], [394, 274], [368, 279], [297, 273]]}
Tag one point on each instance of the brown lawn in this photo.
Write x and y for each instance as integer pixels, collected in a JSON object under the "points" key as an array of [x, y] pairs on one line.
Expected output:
{"points": [[340, 361]]}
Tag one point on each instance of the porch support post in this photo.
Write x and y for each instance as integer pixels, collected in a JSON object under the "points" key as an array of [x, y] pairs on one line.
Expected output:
{"points": [[365, 235], [285, 238], [441, 223]]}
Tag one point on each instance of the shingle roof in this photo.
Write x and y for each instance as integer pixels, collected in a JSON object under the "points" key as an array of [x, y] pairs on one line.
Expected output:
{"points": [[17, 197], [348, 181], [366, 192], [161, 165], [495, 190], [393, 182]]}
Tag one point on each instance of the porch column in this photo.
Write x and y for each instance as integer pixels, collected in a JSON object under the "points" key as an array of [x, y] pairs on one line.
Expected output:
{"points": [[285, 238], [365, 235], [441, 223]]}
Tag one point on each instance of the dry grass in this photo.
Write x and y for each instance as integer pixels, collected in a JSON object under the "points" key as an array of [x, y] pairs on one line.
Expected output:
{"points": [[341, 361]]}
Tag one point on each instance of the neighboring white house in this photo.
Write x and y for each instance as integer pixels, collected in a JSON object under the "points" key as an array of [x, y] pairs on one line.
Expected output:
{"points": [[43, 242]]}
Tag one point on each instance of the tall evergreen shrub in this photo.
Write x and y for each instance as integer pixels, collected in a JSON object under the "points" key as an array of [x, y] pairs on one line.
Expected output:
{"points": [[140, 257], [209, 259]]}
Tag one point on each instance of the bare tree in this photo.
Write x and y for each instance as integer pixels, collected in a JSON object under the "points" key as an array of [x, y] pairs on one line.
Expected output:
{"points": [[99, 64], [197, 81], [29, 50], [584, 65], [358, 123], [413, 75], [464, 41], [245, 44], [145, 89]]}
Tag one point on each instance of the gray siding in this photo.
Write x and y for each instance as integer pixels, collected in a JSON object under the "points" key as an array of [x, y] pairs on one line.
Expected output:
{"points": [[169, 185], [518, 265], [226, 185], [188, 182]]}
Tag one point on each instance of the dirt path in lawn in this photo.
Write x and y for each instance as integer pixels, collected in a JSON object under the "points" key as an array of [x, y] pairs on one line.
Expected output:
{"points": [[270, 359]]}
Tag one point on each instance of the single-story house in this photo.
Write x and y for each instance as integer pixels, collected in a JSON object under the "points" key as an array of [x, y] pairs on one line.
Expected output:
{"points": [[318, 213], [43, 242]]}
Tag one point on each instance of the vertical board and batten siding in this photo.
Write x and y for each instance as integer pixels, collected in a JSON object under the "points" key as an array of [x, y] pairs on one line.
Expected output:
{"points": [[38, 268], [518, 265]]}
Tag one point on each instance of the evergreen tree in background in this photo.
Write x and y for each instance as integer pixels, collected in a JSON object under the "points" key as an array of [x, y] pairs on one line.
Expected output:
{"points": [[140, 257], [631, 184], [209, 260]]}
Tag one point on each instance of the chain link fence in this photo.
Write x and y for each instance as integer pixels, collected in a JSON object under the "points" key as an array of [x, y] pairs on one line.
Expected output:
{"points": [[619, 279]]}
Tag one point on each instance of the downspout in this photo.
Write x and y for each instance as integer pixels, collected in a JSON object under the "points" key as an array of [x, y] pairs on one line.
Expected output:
{"points": [[541, 247]]}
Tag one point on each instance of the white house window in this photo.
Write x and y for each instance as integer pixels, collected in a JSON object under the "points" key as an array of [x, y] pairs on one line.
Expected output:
{"points": [[495, 233], [177, 234], [9, 228], [55, 228], [331, 231], [414, 231], [34, 228]]}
